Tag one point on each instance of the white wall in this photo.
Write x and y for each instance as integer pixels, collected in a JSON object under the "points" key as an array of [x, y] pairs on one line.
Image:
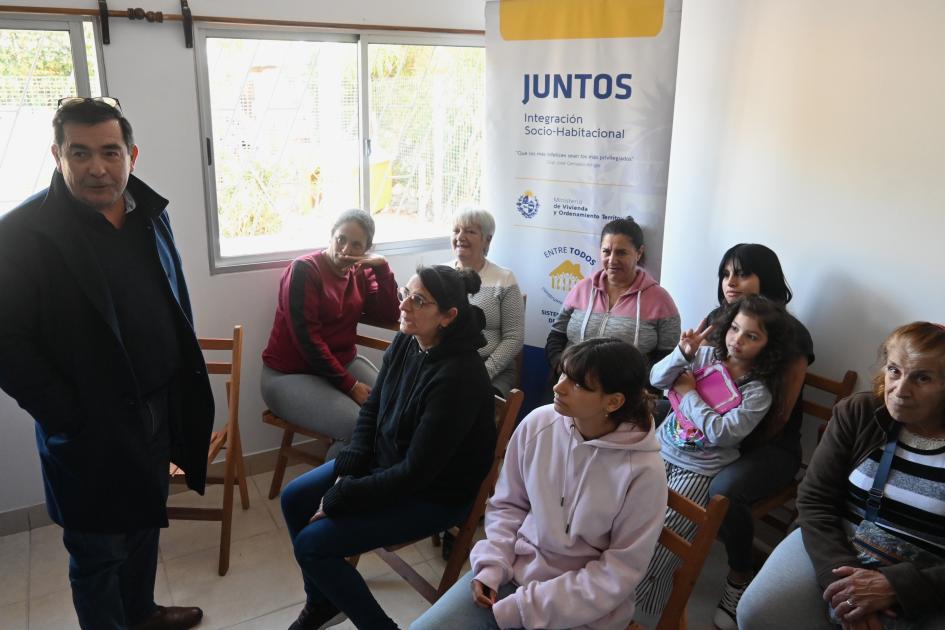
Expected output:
{"points": [[815, 128], [149, 69]]}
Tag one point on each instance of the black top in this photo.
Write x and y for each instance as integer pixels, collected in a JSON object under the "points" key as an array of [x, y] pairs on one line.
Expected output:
{"points": [[427, 430], [790, 435], [63, 361], [144, 305]]}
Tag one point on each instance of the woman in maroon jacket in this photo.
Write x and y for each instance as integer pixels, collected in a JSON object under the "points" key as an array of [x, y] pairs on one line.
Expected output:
{"points": [[312, 374]]}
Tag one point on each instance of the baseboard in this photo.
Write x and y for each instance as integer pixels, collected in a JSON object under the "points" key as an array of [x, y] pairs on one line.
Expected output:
{"points": [[24, 519], [33, 516]]}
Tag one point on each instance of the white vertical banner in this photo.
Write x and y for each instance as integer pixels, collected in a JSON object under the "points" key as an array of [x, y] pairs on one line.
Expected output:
{"points": [[579, 118]]}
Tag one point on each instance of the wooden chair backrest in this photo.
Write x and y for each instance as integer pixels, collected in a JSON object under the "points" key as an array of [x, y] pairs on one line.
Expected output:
{"points": [[840, 389], [778, 510], [506, 411], [229, 367], [375, 342], [693, 554], [520, 357]]}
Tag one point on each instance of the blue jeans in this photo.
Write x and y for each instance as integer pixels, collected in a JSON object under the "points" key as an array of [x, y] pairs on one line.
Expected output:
{"points": [[112, 575], [753, 476], [321, 547], [457, 611]]}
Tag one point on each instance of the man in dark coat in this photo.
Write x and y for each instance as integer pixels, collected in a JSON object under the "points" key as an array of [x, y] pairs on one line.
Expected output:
{"points": [[97, 344]]}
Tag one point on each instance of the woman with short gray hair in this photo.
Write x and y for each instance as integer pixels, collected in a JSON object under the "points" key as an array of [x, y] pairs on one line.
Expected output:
{"points": [[312, 374], [499, 297]]}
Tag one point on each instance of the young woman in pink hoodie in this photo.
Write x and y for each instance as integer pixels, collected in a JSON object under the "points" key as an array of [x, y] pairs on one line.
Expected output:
{"points": [[577, 509]]}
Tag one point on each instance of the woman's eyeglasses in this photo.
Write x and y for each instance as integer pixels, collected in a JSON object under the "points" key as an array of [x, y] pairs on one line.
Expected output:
{"points": [[415, 299], [75, 100]]}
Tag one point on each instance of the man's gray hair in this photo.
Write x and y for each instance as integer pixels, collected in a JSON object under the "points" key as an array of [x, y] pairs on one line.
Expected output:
{"points": [[362, 218], [483, 219]]}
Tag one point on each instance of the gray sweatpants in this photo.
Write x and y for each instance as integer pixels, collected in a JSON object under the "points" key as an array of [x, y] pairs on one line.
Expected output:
{"points": [[785, 594], [312, 402]]}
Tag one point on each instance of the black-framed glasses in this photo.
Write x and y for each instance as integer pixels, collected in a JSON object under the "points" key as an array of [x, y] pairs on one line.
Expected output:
{"points": [[416, 300], [111, 101]]}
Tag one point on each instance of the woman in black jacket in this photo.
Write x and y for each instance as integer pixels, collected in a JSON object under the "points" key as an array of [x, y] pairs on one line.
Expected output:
{"points": [[422, 445]]}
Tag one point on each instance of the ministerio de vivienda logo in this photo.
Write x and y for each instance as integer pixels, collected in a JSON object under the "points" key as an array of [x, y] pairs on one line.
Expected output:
{"points": [[527, 205]]}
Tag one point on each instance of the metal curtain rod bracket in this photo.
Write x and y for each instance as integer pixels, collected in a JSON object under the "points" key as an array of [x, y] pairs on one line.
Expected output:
{"points": [[188, 23], [103, 17]]}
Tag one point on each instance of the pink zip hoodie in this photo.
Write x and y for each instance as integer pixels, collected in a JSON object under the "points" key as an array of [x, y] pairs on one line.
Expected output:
{"points": [[573, 523]]}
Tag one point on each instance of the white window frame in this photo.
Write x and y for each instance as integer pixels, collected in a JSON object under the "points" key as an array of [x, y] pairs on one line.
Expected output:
{"points": [[76, 43], [74, 26], [269, 260]]}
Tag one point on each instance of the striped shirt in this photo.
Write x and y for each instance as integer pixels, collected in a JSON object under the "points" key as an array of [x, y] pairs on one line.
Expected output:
{"points": [[913, 505]]}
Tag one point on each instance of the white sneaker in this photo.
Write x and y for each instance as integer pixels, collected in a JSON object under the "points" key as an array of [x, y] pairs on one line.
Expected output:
{"points": [[724, 618]]}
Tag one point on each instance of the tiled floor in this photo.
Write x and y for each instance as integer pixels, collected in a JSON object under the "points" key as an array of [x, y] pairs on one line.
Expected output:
{"points": [[261, 591]]}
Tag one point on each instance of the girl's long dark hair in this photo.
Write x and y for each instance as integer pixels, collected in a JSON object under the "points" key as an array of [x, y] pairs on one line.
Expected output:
{"points": [[770, 364], [754, 258]]}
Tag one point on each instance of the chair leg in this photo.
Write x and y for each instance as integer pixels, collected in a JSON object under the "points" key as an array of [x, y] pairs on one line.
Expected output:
{"points": [[240, 468], [276, 487], [241, 478], [226, 524], [458, 556]]}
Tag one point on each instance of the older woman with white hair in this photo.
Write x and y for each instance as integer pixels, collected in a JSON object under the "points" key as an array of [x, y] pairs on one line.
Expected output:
{"points": [[499, 297]]}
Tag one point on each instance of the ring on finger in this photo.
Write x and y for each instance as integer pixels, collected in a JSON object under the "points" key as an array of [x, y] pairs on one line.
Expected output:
{"points": [[850, 603]]}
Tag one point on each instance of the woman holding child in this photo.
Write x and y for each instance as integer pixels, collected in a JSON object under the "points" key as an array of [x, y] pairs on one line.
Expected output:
{"points": [[747, 348], [771, 456]]}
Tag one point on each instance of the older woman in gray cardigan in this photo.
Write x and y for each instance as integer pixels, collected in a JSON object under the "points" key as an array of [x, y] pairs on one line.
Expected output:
{"points": [[499, 297]]}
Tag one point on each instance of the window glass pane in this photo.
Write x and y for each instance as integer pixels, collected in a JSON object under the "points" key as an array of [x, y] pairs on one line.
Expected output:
{"points": [[91, 56], [36, 70], [285, 140], [427, 114]]}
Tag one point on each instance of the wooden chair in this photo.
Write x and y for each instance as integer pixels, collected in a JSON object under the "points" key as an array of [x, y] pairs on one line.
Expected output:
{"points": [[287, 450], [520, 357], [506, 412], [764, 509], [693, 555], [229, 439]]}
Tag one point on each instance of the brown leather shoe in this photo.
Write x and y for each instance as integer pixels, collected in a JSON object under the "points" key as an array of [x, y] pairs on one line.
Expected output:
{"points": [[172, 618]]}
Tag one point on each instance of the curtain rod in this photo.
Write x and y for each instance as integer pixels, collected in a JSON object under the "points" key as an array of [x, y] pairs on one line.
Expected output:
{"points": [[7, 8]]}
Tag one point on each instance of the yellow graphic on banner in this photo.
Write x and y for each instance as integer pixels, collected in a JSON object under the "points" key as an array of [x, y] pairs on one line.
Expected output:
{"points": [[565, 276], [579, 19]]}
